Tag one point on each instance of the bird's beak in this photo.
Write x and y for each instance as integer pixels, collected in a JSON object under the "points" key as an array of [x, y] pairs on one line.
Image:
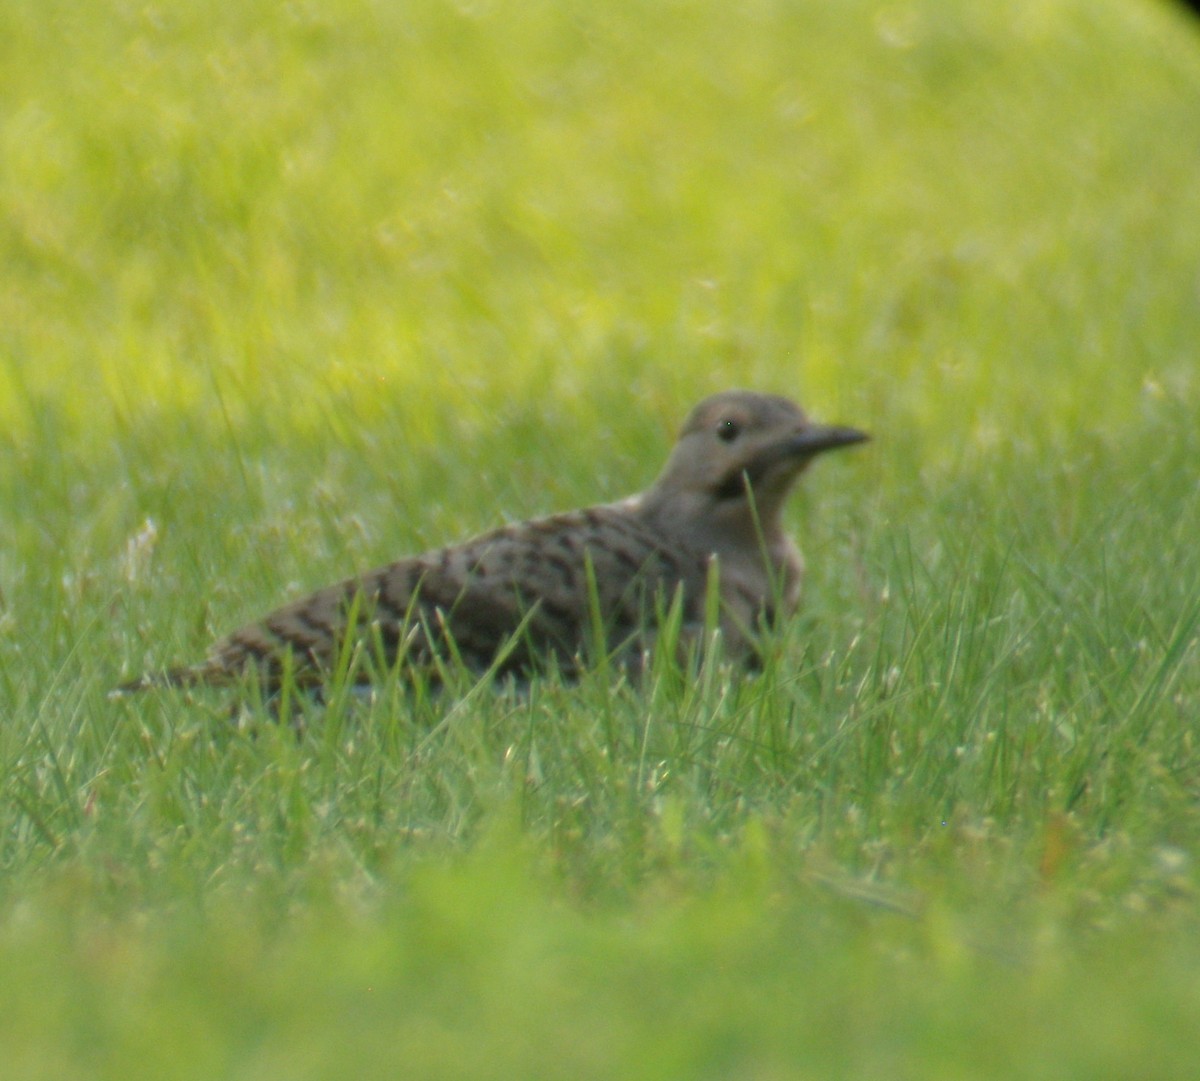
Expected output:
{"points": [[796, 450], [815, 438]]}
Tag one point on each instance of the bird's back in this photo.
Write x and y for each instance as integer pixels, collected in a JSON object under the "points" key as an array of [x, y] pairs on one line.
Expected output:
{"points": [[553, 587]]}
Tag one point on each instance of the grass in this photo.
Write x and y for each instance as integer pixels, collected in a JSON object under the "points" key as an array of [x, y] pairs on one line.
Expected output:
{"points": [[293, 290]]}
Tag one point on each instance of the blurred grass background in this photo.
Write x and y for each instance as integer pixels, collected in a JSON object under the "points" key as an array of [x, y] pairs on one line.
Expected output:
{"points": [[289, 289]]}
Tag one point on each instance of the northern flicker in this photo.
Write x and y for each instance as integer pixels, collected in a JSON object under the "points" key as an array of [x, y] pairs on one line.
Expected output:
{"points": [[555, 588]]}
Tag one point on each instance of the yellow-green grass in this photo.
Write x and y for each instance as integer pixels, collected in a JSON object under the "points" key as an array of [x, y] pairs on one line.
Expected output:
{"points": [[289, 290]]}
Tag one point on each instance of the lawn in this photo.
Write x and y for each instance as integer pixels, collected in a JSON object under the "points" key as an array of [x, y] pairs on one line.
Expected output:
{"points": [[292, 290]]}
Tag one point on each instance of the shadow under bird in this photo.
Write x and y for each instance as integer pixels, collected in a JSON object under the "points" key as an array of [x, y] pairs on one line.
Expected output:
{"points": [[554, 588]]}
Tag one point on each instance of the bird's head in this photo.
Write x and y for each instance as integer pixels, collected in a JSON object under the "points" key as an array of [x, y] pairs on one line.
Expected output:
{"points": [[739, 454]]}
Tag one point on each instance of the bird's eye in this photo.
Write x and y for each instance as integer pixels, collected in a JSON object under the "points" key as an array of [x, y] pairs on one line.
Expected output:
{"points": [[728, 430]]}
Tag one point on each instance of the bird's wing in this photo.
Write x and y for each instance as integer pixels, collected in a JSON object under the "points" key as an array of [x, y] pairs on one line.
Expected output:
{"points": [[574, 583], [534, 589]]}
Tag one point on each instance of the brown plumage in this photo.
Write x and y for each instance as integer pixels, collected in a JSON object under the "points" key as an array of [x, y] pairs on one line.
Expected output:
{"points": [[554, 587]]}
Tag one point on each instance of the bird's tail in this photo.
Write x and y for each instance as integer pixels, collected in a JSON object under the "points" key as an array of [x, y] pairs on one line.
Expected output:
{"points": [[169, 678]]}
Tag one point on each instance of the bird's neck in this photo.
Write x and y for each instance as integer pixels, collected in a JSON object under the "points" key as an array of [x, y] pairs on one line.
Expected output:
{"points": [[748, 540]]}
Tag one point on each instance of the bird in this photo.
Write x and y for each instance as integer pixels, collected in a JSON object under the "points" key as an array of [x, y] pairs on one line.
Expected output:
{"points": [[704, 543]]}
